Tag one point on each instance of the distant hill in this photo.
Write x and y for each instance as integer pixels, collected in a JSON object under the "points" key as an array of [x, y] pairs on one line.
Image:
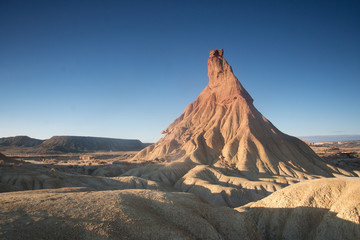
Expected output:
{"points": [[77, 144], [330, 138], [68, 144], [20, 141], [343, 144]]}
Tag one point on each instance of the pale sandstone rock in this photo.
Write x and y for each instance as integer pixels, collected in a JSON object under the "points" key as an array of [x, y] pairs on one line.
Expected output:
{"points": [[242, 153], [316, 209], [126, 214], [223, 128]]}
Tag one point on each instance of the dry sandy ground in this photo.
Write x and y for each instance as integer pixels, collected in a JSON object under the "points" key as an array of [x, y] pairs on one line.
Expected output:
{"points": [[345, 155], [133, 207], [315, 209], [219, 186]]}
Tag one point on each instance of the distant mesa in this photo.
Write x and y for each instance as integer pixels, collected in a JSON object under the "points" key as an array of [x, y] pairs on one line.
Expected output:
{"points": [[20, 141], [86, 144], [72, 144]]}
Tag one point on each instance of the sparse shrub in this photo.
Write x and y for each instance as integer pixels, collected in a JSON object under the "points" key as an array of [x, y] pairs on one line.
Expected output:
{"points": [[20, 165], [89, 163], [2, 163], [11, 164], [52, 170]]}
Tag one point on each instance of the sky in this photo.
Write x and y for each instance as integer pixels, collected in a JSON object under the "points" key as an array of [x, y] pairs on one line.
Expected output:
{"points": [[127, 69]]}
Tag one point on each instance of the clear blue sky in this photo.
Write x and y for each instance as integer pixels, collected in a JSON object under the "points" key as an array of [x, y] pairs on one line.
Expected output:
{"points": [[127, 69]]}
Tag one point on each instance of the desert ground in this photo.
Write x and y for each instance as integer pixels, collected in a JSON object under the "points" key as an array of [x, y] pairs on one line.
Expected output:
{"points": [[221, 171], [345, 154], [75, 196]]}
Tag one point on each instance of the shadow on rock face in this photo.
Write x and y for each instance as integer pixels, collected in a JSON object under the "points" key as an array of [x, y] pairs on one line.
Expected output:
{"points": [[302, 223], [148, 214], [125, 214]]}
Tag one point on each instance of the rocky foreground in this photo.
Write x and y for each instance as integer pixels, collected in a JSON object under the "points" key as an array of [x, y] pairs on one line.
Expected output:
{"points": [[316, 209]]}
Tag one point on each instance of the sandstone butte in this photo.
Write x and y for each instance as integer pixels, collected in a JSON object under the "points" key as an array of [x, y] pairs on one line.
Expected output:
{"points": [[223, 145], [223, 128]]}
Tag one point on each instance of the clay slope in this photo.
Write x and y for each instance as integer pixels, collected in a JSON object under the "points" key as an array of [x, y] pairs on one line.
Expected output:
{"points": [[32, 178], [123, 214], [316, 209]]}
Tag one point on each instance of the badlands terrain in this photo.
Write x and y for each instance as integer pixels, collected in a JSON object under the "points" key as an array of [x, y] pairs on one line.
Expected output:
{"points": [[221, 171]]}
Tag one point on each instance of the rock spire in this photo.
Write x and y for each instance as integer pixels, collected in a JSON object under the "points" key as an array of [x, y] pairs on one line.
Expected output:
{"points": [[223, 128]]}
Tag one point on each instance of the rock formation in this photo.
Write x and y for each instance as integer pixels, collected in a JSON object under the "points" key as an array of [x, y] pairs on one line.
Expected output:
{"points": [[221, 146], [76, 144], [68, 144], [221, 149], [20, 141], [316, 209], [223, 128]]}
